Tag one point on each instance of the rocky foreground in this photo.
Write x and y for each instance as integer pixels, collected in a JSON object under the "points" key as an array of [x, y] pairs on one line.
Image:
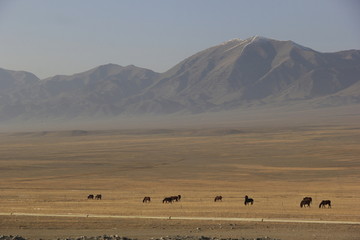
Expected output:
{"points": [[116, 237]]}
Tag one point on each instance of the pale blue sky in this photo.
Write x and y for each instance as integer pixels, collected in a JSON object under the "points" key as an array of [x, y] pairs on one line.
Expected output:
{"points": [[49, 37]]}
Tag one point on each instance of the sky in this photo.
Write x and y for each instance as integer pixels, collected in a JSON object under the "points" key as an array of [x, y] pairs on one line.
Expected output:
{"points": [[51, 37]]}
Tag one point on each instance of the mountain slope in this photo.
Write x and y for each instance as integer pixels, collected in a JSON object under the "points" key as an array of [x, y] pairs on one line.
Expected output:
{"points": [[91, 93], [13, 80], [236, 74], [239, 72]]}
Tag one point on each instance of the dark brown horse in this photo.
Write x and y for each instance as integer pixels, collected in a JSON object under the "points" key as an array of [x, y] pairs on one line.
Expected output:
{"points": [[98, 197], [309, 199], [248, 201], [146, 200], [176, 198], [218, 198], [91, 196], [324, 203], [306, 202], [168, 200]]}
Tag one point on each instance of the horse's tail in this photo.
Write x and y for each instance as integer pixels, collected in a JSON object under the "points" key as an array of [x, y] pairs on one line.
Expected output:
{"points": [[320, 204]]}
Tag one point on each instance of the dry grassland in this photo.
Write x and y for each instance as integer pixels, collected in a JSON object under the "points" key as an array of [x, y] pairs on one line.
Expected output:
{"points": [[53, 172]]}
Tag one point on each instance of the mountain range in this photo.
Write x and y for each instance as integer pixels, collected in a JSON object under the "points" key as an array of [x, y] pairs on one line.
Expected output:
{"points": [[237, 74]]}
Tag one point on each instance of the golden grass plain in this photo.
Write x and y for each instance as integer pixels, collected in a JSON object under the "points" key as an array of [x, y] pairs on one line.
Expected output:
{"points": [[53, 172]]}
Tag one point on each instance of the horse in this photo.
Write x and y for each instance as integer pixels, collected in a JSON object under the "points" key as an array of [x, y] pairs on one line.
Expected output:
{"points": [[146, 199], [306, 201], [218, 198], [176, 198], [248, 200], [91, 196], [324, 203], [98, 197], [168, 200], [309, 199]]}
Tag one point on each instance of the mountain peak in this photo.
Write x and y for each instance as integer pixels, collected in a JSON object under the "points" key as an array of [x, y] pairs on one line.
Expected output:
{"points": [[108, 66], [238, 41], [260, 39], [238, 73]]}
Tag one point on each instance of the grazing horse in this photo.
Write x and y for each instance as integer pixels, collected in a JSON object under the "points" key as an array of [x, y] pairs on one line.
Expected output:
{"points": [[324, 203], [98, 197], [146, 200], [248, 200], [306, 201], [218, 198], [91, 196], [309, 199], [168, 200], [176, 198]]}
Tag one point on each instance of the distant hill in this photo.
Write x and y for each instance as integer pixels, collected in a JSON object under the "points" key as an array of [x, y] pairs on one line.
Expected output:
{"points": [[235, 74]]}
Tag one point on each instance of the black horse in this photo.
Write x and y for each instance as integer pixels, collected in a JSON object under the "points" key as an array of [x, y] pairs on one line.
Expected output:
{"points": [[248, 201], [168, 200], [218, 198], [98, 197], [309, 199], [176, 198], [306, 202], [146, 200], [91, 196], [324, 203]]}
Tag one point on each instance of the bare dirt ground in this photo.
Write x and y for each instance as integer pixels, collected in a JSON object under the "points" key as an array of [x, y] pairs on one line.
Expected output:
{"points": [[52, 228], [53, 173]]}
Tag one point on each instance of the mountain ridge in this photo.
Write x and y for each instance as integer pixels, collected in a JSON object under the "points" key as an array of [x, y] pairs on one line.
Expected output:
{"points": [[234, 74]]}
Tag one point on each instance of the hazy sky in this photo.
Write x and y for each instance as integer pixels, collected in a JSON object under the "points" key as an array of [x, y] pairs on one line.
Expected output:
{"points": [[49, 37]]}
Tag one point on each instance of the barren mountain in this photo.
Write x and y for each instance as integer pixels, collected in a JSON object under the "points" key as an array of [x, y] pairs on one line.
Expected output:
{"points": [[93, 93], [235, 74], [15, 80], [255, 71]]}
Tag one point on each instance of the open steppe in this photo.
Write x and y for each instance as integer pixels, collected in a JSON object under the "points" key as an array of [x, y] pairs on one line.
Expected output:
{"points": [[53, 173]]}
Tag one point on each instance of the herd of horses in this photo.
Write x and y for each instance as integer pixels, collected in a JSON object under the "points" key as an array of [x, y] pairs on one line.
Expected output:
{"points": [[308, 200], [246, 202], [165, 200], [305, 202], [96, 197]]}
